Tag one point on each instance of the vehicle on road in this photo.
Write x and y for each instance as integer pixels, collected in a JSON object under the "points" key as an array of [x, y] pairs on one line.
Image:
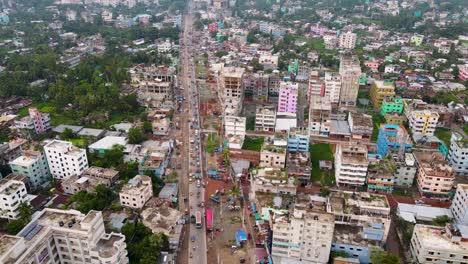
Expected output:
{"points": [[192, 219], [198, 220], [209, 219]]}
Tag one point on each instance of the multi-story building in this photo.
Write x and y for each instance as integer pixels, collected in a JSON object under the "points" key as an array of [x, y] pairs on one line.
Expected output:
{"points": [[351, 165], [64, 159], [458, 155], [91, 177], [463, 72], [274, 83], [360, 126], [157, 158], [333, 86], [395, 119], [347, 40], [330, 41], [273, 156], [287, 102], [320, 116], [350, 72], [136, 192], [232, 89], [298, 140], [434, 244], [392, 106], [12, 194], [392, 138], [234, 127], [37, 121], [380, 176], [435, 177], [417, 39], [303, 236], [299, 165], [64, 236], [381, 90], [459, 207], [405, 171], [259, 83], [265, 118], [271, 180], [422, 121], [316, 85], [32, 164]]}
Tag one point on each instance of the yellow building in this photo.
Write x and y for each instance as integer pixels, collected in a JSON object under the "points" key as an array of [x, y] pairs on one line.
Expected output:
{"points": [[381, 90]]}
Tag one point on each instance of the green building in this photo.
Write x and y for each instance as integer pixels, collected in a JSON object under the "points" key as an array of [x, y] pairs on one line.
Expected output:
{"points": [[394, 105]]}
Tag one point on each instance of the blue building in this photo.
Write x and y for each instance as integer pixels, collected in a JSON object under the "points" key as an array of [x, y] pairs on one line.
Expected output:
{"points": [[298, 140], [4, 19], [389, 139]]}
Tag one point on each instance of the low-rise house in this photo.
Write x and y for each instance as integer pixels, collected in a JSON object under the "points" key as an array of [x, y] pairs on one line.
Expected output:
{"points": [[270, 180], [360, 126], [106, 143], [91, 177], [157, 158]]}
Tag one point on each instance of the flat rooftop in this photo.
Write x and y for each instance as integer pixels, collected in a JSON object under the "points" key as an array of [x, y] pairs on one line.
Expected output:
{"points": [[436, 238]]}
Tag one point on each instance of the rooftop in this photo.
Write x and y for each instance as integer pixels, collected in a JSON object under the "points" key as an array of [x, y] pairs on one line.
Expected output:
{"points": [[434, 164], [384, 84], [107, 143], [438, 238], [362, 203], [136, 185]]}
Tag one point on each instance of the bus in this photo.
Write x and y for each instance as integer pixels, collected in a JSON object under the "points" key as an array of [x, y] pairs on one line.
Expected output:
{"points": [[209, 219], [198, 221]]}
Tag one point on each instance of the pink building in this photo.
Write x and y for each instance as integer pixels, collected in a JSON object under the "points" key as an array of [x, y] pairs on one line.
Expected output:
{"points": [[463, 72], [213, 27], [287, 102], [373, 65], [436, 177], [41, 121]]}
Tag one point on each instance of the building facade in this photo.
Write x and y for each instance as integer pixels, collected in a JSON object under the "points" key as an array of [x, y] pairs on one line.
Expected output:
{"points": [[436, 178], [287, 102], [298, 140], [350, 71], [265, 118], [347, 40], [392, 138], [392, 106], [64, 159], [405, 171], [381, 90], [458, 155], [12, 194], [136, 192], [320, 110], [351, 165], [32, 164], [459, 207]]}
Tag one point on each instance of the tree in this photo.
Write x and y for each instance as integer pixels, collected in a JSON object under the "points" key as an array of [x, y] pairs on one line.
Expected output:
{"points": [[235, 191], [25, 212], [383, 257], [256, 65], [144, 247], [135, 136], [67, 134], [441, 220], [221, 53], [147, 127]]}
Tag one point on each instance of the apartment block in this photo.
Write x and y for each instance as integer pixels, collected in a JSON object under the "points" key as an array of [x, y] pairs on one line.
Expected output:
{"points": [[422, 121], [64, 236], [136, 192], [303, 236], [287, 102], [392, 138], [380, 176], [32, 164], [392, 106], [265, 118], [37, 121], [91, 177], [351, 165], [405, 171], [64, 159], [360, 126], [463, 72], [347, 40], [316, 85], [320, 116], [458, 155], [381, 90], [234, 127], [350, 72], [298, 140], [459, 207], [12, 194], [333, 86], [232, 88], [433, 244], [436, 178]]}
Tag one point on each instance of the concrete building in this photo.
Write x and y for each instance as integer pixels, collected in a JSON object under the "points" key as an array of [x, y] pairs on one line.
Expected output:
{"points": [[422, 121], [273, 156], [91, 177], [463, 72], [435, 179], [12, 194], [299, 165], [265, 118], [298, 140], [458, 155], [350, 71], [459, 207], [235, 127], [106, 143], [347, 40], [405, 171], [64, 236], [330, 41], [380, 176], [360, 126], [417, 39], [320, 116], [333, 86], [136, 192], [381, 90], [391, 138], [32, 164], [303, 236], [316, 85], [37, 121], [64, 159], [351, 165], [156, 158], [232, 88], [287, 102], [271, 180], [392, 106], [433, 244]]}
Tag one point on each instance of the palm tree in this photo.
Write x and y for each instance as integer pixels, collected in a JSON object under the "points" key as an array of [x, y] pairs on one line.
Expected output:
{"points": [[235, 191]]}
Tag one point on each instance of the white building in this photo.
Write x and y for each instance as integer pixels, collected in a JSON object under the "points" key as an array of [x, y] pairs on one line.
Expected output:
{"points": [[422, 121], [136, 192], [458, 155], [320, 116], [304, 236], [234, 127], [270, 180], [32, 164], [12, 195], [273, 156], [350, 72], [347, 40], [64, 236], [432, 244], [351, 165], [64, 159], [459, 205], [333, 86], [265, 118], [165, 46]]}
